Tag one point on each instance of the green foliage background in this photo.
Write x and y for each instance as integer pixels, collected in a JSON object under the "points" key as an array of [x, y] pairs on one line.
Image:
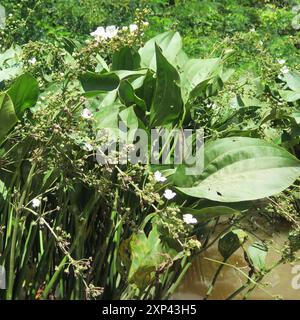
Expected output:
{"points": [[207, 26]]}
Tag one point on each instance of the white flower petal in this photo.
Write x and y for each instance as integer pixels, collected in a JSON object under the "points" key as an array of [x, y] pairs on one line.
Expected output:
{"points": [[159, 177], [111, 31], [32, 61], [133, 27], [189, 219], [99, 33], [169, 194], [36, 203], [86, 113], [87, 146], [285, 70]]}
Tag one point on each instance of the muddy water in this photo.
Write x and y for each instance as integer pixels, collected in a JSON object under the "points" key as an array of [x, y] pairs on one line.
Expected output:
{"points": [[277, 283]]}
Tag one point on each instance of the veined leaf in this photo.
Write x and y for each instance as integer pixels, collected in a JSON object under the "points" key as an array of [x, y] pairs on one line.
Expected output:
{"points": [[8, 117], [146, 254], [95, 83], [257, 254], [293, 80], [197, 71], [128, 96], [170, 43], [289, 95], [167, 103], [24, 93], [240, 169], [126, 59], [209, 213]]}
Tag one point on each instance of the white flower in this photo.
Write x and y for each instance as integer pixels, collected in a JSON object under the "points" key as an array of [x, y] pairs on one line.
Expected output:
{"points": [[252, 30], [102, 33], [36, 203], [213, 106], [111, 31], [99, 33], [86, 113], [169, 194], [281, 61], [133, 27], [145, 23], [189, 219], [87, 146], [159, 177], [285, 70], [125, 28], [32, 61]]}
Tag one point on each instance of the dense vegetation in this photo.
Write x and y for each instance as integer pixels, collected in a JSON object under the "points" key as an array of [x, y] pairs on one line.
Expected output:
{"points": [[74, 228]]}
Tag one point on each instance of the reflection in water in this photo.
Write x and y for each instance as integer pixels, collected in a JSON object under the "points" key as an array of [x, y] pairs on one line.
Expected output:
{"points": [[277, 283]]}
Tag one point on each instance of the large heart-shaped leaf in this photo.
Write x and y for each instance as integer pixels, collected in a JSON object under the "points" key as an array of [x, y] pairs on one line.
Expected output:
{"points": [[126, 59], [170, 43], [24, 93], [8, 117], [95, 83], [146, 255], [209, 213], [241, 169], [128, 96], [167, 102], [196, 72], [292, 80]]}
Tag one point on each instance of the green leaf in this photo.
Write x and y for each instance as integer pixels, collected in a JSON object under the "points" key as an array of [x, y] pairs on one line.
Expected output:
{"points": [[8, 117], [167, 102], [293, 80], [10, 63], [95, 83], [107, 117], [230, 242], [129, 117], [209, 213], [180, 178], [196, 72], [170, 43], [146, 254], [240, 169], [24, 93], [296, 116], [146, 91], [9, 73], [128, 96], [126, 59], [289, 95], [257, 254]]}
